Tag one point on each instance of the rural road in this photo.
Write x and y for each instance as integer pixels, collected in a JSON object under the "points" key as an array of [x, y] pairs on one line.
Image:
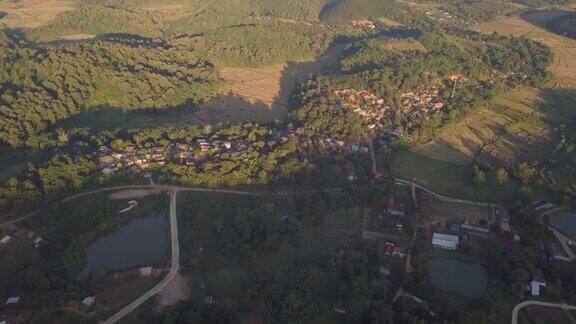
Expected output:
{"points": [[535, 302], [175, 266]]}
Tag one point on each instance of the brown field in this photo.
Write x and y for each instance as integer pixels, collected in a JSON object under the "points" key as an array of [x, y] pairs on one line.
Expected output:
{"points": [[33, 13], [519, 124]]}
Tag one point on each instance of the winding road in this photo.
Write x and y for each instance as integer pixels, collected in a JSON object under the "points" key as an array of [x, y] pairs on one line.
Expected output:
{"points": [[540, 303], [174, 268]]}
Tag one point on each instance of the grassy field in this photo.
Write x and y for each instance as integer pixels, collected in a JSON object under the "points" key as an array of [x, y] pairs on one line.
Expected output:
{"points": [[447, 178]]}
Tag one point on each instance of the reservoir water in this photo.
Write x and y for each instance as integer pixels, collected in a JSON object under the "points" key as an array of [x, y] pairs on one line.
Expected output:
{"points": [[139, 242], [464, 279], [566, 223]]}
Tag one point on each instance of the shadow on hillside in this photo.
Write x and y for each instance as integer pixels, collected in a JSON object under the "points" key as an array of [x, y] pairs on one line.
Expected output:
{"points": [[233, 107], [543, 18]]}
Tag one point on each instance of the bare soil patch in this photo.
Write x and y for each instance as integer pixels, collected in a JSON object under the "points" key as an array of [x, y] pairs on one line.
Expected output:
{"points": [[178, 289], [134, 193]]}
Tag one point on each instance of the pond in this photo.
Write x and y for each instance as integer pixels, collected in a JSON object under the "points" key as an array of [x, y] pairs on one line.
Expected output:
{"points": [[139, 242], [566, 223], [464, 279]]}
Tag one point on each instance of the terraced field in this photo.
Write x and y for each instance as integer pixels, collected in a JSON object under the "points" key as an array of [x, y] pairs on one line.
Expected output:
{"points": [[520, 123]]}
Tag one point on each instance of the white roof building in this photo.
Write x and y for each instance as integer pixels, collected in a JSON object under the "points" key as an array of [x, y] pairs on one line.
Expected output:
{"points": [[12, 300], [445, 241], [535, 287], [145, 271], [5, 239], [88, 301]]}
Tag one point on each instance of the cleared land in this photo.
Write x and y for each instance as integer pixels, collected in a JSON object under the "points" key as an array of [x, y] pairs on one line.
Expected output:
{"points": [[443, 211], [33, 13], [519, 125]]}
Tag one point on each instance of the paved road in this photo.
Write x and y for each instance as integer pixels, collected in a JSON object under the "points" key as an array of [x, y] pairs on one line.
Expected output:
{"points": [[535, 302], [175, 267]]}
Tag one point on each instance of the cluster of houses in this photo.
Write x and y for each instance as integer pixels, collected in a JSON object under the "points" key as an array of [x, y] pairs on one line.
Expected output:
{"points": [[425, 103], [13, 232], [461, 231], [363, 23], [139, 160]]}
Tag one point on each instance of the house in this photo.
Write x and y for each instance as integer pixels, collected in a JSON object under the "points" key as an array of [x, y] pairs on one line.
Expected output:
{"points": [[88, 301], [339, 308], [399, 252], [38, 241], [12, 300], [145, 271], [536, 283], [504, 219], [445, 241], [389, 249], [395, 207], [5, 240], [474, 231], [24, 233], [106, 160]]}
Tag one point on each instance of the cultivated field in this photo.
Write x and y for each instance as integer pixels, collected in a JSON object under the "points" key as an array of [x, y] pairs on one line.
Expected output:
{"points": [[33, 13], [519, 124]]}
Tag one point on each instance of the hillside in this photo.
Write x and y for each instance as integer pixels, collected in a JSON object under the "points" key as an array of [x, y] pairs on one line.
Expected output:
{"points": [[346, 10]]}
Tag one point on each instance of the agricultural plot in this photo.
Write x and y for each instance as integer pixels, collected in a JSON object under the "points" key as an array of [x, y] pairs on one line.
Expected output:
{"points": [[33, 13]]}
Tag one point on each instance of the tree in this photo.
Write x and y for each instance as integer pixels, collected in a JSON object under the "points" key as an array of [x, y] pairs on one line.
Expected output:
{"points": [[479, 177], [502, 176]]}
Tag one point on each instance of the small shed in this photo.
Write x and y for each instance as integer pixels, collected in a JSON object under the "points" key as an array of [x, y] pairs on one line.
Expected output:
{"points": [[12, 300], [88, 301], [145, 271]]}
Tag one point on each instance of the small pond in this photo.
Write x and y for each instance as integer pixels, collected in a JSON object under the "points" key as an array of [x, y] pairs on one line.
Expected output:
{"points": [[464, 279], [139, 242], [566, 223]]}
